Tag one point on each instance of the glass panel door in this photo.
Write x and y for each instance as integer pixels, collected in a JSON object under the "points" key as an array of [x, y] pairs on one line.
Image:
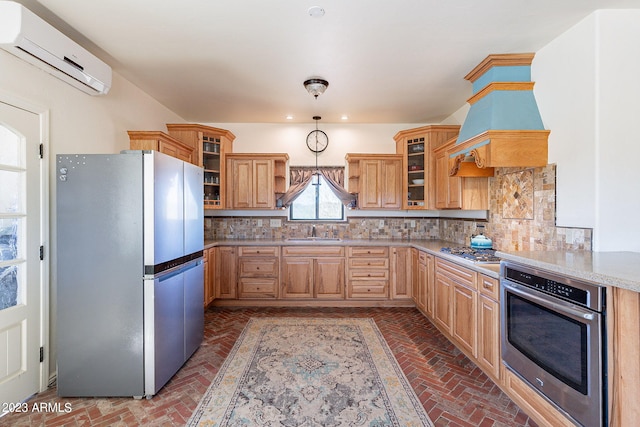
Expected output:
{"points": [[21, 277]]}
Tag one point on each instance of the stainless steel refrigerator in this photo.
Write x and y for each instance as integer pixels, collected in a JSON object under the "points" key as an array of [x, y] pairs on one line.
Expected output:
{"points": [[130, 278]]}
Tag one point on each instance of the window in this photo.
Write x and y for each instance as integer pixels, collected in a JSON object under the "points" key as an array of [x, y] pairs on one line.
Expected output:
{"points": [[317, 202]]}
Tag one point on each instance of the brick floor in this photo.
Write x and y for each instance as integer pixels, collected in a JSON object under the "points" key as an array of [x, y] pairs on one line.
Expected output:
{"points": [[453, 390]]}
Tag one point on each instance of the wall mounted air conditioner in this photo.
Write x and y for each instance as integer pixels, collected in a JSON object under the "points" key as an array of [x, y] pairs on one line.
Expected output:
{"points": [[27, 36]]}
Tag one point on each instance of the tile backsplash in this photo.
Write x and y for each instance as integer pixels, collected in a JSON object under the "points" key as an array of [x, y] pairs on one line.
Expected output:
{"points": [[521, 217]]}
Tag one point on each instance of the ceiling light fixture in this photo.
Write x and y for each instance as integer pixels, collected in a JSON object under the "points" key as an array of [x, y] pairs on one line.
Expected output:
{"points": [[316, 12], [316, 86]]}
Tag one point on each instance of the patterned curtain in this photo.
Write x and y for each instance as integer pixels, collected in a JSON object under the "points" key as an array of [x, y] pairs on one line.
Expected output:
{"points": [[300, 177]]}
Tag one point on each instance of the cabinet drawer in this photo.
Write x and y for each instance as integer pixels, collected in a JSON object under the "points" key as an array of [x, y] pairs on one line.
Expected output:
{"points": [[258, 251], [458, 273], [258, 267], [489, 287], [369, 274], [382, 263], [368, 251], [313, 251], [368, 289], [249, 287]]}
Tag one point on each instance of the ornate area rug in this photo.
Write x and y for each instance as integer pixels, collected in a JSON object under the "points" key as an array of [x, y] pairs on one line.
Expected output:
{"points": [[308, 372]]}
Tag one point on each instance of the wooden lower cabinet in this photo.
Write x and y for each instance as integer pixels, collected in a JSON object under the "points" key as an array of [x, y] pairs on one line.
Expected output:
{"points": [[304, 277], [368, 275], [297, 277], [415, 282], [401, 273], [328, 278], [456, 303], [209, 268], [488, 350], [312, 272], [426, 284], [258, 272], [226, 272], [442, 302], [464, 325]]}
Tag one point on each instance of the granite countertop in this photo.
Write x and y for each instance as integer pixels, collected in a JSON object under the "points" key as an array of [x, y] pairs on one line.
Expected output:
{"points": [[431, 246], [619, 269]]}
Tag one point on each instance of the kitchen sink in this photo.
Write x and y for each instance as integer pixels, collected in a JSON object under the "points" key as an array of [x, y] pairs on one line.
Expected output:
{"points": [[314, 239]]}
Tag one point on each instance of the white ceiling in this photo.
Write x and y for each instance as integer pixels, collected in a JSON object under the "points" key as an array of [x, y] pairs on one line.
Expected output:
{"points": [[393, 61]]}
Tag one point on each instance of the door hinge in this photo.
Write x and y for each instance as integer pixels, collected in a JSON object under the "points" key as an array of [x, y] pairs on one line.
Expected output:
{"points": [[41, 354], [41, 151], [41, 253]]}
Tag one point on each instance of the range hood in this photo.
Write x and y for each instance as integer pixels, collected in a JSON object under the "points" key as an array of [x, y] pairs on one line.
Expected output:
{"points": [[503, 127]]}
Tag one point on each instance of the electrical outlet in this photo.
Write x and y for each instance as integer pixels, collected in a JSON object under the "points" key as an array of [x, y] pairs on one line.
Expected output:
{"points": [[259, 223], [381, 223], [275, 223], [413, 223]]}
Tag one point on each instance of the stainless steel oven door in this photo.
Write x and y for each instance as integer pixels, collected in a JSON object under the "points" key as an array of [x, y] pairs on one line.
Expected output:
{"points": [[556, 347]]}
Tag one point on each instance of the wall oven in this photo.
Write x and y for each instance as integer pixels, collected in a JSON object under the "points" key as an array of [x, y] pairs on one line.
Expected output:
{"points": [[553, 337]]}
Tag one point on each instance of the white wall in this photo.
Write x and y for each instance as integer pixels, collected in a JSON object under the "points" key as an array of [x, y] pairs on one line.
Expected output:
{"points": [[617, 138], [291, 138], [79, 123], [566, 95], [587, 90]]}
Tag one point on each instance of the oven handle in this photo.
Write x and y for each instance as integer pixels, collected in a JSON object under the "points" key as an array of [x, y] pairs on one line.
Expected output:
{"points": [[573, 311]]}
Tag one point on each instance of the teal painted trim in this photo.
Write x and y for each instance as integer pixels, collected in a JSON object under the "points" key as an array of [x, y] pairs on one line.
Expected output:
{"points": [[467, 150], [517, 73], [502, 110]]}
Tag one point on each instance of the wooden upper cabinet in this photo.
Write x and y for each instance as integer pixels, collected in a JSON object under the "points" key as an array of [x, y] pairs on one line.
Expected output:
{"points": [[160, 141], [240, 181], [454, 192], [254, 180], [198, 136], [377, 179], [418, 167], [209, 145]]}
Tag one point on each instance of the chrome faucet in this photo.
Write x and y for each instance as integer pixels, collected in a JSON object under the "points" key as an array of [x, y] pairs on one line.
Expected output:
{"points": [[313, 230]]}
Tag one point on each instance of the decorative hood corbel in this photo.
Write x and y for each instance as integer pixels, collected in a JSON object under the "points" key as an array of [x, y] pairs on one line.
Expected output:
{"points": [[503, 127]]}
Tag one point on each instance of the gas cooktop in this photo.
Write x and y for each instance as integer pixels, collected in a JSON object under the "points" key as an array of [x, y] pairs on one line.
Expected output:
{"points": [[485, 256]]}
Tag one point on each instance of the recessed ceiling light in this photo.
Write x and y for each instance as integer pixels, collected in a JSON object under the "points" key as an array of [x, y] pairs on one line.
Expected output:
{"points": [[344, 117], [289, 117], [316, 11]]}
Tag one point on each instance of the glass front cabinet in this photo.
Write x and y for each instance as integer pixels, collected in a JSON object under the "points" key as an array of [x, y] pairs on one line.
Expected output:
{"points": [[211, 145], [416, 146]]}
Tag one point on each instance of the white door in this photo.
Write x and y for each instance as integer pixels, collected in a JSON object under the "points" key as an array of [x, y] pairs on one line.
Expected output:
{"points": [[20, 265]]}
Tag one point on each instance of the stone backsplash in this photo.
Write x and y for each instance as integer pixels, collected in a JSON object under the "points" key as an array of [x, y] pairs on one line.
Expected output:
{"points": [[353, 228], [521, 217]]}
